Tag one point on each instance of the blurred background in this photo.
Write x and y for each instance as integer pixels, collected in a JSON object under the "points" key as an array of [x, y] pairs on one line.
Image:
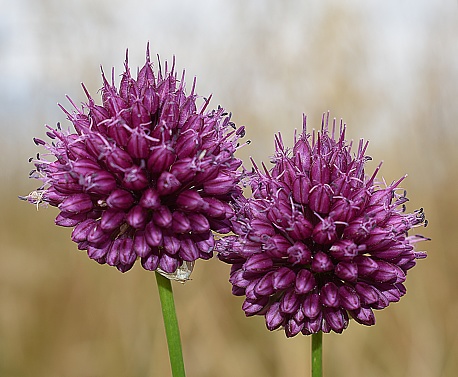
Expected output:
{"points": [[388, 68]]}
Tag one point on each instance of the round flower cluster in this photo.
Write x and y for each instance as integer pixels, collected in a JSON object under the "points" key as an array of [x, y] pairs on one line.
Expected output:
{"points": [[319, 242], [146, 175]]}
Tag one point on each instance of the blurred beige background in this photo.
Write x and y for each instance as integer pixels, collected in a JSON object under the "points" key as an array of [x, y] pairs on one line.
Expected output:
{"points": [[388, 68]]}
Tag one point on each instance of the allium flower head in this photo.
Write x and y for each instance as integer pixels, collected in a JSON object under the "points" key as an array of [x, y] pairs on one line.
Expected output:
{"points": [[145, 175], [320, 242]]}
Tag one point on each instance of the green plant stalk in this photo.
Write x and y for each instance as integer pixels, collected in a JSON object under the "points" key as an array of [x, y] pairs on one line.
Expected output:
{"points": [[172, 331], [317, 354]]}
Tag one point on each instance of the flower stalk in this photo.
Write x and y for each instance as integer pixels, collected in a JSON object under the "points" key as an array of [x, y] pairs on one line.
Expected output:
{"points": [[172, 331], [317, 354]]}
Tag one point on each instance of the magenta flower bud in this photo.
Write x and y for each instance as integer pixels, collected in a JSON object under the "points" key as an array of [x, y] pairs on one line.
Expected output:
{"points": [[320, 198], [320, 174], [258, 263], [346, 271], [366, 265], [220, 226], [391, 293], [264, 287], [301, 189], [283, 278], [184, 169], [278, 246], [53, 197], [160, 158], [348, 298], [168, 264], [170, 114], [313, 325], [140, 117], [127, 255], [344, 250], [140, 246], [220, 185], [205, 243], [81, 231], [111, 219], [153, 235], [216, 208], [359, 229], [189, 250], [171, 244], [342, 210], [187, 144], [135, 178], [180, 222], [367, 293], [301, 228], [262, 229], [199, 223], [321, 262], [238, 279], [364, 315], [150, 199], [305, 282], [151, 262], [120, 199], [137, 217], [112, 257], [96, 235], [274, 317], [299, 253], [290, 302], [325, 232], [85, 166], [293, 327], [77, 203], [302, 151], [66, 185], [151, 100], [336, 319], [97, 253], [252, 307], [139, 143], [118, 133], [100, 182], [162, 217], [329, 295], [118, 160], [98, 113], [311, 305], [190, 200], [388, 273], [167, 183], [95, 146], [250, 293], [69, 220]]}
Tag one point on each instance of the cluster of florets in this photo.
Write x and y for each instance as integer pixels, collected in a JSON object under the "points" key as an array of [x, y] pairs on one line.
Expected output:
{"points": [[319, 242], [146, 174]]}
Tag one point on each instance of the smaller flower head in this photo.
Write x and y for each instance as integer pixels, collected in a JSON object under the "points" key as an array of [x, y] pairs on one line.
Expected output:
{"points": [[320, 242], [144, 175]]}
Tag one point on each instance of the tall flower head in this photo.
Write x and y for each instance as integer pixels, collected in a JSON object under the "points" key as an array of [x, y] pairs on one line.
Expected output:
{"points": [[319, 242], [144, 175]]}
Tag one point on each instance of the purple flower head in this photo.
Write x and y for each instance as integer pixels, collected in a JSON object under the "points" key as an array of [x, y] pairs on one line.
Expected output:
{"points": [[144, 175], [319, 242]]}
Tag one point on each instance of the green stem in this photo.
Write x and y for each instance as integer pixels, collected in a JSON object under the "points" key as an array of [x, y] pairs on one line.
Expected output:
{"points": [[317, 354], [172, 331]]}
